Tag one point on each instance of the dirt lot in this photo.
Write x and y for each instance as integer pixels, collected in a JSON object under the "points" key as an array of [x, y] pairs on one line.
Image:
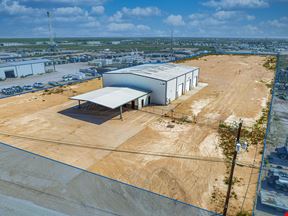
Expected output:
{"points": [[236, 89]]}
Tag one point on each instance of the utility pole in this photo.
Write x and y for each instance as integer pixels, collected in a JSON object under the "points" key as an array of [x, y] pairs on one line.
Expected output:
{"points": [[232, 169]]}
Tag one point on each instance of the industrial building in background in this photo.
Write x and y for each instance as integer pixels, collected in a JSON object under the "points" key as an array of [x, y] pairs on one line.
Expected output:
{"points": [[23, 68]]}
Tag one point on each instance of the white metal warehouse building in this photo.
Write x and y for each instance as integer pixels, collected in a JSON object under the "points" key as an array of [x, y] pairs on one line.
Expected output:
{"points": [[22, 68], [142, 85], [166, 82]]}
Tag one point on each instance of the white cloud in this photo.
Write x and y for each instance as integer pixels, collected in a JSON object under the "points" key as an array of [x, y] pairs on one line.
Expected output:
{"points": [[15, 8], [207, 22], [117, 17], [92, 24], [143, 27], [134, 12], [197, 16], [237, 3], [98, 10], [69, 2], [76, 20], [222, 15], [120, 27], [250, 17], [141, 11], [278, 23], [116, 27], [175, 20], [251, 30], [75, 15], [222, 23], [41, 30], [69, 11], [236, 15]]}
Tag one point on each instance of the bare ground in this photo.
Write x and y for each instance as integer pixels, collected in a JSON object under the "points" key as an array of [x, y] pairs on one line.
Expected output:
{"points": [[236, 89]]}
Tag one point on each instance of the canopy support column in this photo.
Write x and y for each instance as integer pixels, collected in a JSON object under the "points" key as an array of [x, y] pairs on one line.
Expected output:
{"points": [[79, 104], [121, 111]]}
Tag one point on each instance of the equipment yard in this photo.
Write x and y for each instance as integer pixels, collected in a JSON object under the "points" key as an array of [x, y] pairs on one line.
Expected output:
{"points": [[182, 159]]}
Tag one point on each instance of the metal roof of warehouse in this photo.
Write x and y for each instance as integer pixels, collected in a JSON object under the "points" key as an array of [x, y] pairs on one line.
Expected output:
{"points": [[163, 72], [111, 97], [17, 63]]}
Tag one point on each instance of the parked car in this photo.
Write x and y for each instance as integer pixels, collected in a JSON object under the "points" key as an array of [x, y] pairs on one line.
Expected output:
{"points": [[12, 90], [17, 89], [52, 83], [68, 77], [27, 87], [75, 78], [7, 91], [38, 85]]}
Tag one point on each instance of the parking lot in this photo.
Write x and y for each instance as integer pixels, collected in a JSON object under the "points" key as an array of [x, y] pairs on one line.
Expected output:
{"points": [[57, 76]]}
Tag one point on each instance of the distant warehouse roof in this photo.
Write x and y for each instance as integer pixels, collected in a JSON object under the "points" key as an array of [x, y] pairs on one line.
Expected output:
{"points": [[111, 97], [163, 72], [17, 63]]}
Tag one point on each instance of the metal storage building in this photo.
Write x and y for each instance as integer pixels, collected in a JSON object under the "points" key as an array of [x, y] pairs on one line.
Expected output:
{"points": [[166, 82], [22, 68]]}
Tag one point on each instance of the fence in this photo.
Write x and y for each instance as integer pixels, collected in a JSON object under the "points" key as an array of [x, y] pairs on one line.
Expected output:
{"points": [[272, 190], [213, 122], [168, 112], [34, 185]]}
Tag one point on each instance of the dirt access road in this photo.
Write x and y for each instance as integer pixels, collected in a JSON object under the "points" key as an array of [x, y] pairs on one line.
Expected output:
{"points": [[236, 88]]}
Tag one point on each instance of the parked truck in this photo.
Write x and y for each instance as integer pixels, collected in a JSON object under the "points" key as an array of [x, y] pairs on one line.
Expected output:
{"points": [[278, 179]]}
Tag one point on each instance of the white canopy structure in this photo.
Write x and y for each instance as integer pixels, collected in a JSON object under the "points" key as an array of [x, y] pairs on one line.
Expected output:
{"points": [[111, 97]]}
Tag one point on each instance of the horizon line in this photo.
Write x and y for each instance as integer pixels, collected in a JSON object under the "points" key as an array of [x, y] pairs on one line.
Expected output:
{"points": [[124, 37]]}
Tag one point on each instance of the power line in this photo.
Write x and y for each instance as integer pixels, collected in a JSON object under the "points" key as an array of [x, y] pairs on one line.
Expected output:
{"points": [[250, 177], [130, 151], [105, 148], [198, 120]]}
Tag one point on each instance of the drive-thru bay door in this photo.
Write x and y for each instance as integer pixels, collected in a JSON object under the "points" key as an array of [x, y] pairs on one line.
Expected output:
{"points": [[188, 85], [180, 90], [10, 74]]}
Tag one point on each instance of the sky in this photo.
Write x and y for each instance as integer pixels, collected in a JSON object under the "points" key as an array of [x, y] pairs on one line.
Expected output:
{"points": [[145, 18]]}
